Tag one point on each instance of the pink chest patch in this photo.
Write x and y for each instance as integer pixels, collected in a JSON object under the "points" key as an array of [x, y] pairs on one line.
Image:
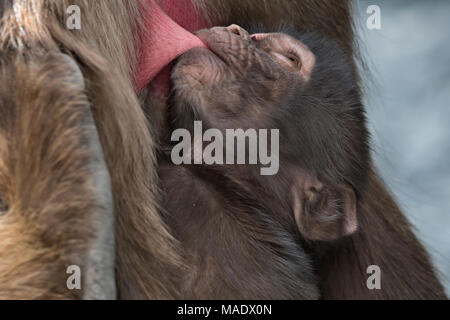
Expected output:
{"points": [[184, 13], [169, 25]]}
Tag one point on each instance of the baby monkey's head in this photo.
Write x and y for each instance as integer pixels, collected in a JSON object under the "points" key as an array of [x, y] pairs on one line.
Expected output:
{"points": [[300, 83], [240, 76]]}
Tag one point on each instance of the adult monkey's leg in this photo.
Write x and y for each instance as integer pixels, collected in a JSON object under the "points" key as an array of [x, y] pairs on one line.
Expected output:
{"points": [[104, 51], [54, 184]]}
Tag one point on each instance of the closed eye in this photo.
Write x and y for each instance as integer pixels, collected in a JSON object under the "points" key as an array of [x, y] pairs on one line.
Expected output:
{"points": [[289, 58]]}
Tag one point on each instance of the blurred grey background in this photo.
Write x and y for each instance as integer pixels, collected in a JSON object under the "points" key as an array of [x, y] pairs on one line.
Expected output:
{"points": [[408, 104]]}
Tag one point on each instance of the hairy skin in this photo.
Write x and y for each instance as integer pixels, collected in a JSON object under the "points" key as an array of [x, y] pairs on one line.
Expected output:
{"points": [[54, 181], [242, 83], [107, 53], [237, 227], [342, 265], [333, 19], [106, 57]]}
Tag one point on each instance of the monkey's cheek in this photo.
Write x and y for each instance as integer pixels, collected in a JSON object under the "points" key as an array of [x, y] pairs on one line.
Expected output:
{"points": [[188, 77], [197, 76], [207, 63]]}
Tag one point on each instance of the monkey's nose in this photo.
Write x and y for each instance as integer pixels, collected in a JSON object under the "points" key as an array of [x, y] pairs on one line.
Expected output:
{"points": [[238, 30]]}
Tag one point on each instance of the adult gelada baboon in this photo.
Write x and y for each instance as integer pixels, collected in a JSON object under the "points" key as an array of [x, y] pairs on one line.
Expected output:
{"points": [[54, 187]]}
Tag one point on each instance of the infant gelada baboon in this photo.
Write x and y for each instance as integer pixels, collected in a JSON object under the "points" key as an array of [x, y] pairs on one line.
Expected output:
{"points": [[244, 234]]}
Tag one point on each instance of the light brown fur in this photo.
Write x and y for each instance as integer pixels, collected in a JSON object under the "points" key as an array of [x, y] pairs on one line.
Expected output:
{"points": [[106, 50], [146, 253], [45, 177]]}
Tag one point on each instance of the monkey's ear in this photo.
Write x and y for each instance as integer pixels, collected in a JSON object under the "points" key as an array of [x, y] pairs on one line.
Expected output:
{"points": [[323, 213]]}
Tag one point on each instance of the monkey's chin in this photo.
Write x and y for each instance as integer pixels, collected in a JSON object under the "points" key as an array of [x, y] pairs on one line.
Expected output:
{"points": [[197, 69]]}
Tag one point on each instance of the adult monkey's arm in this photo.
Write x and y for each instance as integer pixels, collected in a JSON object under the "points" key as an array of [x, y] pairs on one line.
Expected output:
{"points": [[105, 52]]}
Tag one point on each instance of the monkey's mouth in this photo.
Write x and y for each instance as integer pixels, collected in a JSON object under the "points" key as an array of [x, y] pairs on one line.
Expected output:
{"points": [[204, 68], [168, 27], [199, 68], [231, 49]]}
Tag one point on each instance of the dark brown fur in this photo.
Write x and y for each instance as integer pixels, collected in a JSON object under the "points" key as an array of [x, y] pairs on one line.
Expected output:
{"points": [[407, 272], [385, 238], [146, 253], [233, 201]]}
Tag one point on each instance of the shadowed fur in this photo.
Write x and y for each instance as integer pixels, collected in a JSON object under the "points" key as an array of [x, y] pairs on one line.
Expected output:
{"points": [[106, 53], [106, 50], [50, 166]]}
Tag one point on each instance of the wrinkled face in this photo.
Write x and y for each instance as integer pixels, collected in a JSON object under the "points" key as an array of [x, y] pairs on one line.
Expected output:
{"points": [[239, 75], [305, 86]]}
